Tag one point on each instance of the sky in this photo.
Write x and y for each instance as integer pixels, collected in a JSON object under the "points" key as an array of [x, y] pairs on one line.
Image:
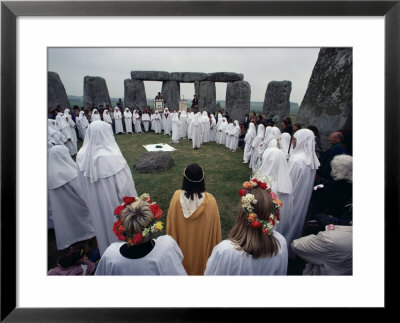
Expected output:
{"points": [[259, 65]]}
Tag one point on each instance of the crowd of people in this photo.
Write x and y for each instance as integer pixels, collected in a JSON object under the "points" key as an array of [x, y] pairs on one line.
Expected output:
{"points": [[296, 205]]}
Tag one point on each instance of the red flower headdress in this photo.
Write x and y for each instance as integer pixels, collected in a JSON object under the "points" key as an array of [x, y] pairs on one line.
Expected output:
{"points": [[248, 201], [136, 238]]}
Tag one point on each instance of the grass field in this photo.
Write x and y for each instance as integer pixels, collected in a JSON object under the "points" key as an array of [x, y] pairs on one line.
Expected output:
{"points": [[223, 169]]}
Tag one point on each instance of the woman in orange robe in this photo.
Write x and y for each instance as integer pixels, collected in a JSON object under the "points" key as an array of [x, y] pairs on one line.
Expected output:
{"points": [[193, 220]]}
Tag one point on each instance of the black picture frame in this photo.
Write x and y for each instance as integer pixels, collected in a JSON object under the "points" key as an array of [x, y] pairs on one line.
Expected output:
{"points": [[10, 10]]}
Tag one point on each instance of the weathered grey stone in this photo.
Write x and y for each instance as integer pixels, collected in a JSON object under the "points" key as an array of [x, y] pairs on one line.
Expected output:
{"points": [[95, 91], [171, 92], [150, 75], [207, 95], [224, 77], [328, 102], [56, 92], [187, 77], [135, 93], [238, 99], [276, 101], [154, 161]]}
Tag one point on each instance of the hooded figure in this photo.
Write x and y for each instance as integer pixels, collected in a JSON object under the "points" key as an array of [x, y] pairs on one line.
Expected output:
{"points": [[105, 178], [128, 120], [190, 117], [54, 135], [221, 131], [63, 125], [275, 167], [175, 128], [197, 130], [227, 134], [234, 133], [72, 222], [82, 124], [136, 121], [108, 120], [205, 120], [157, 122], [303, 164], [95, 116], [118, 121], [248, 139], [218, 133], [183, 126], [146, 121], [255, 144], [213, 128], [274, 138], [167, 122], [285, 144]]}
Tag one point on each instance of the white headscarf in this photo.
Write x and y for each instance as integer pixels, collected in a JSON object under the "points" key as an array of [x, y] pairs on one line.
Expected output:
{"points": [[222, 125], [285, 143], [100, 156], [305, 148], [117, 113], [107, 117], [175, 117], [266, 135], [235, 128], [157, 116], [62, 121], [94, 116], [260, 136], [274, 138], [127, 113], [61, 168], [183, 114], [197, 119], [251, 133], [275, 167], [81, 115], [204, 117]]}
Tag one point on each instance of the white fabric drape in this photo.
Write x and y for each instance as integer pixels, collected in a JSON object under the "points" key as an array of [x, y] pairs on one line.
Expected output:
{"points": [[118, 121], [248, 139], [197, 131], [255, 144], [175, 127], [183, 125], [234, 133], [128, 120], [285, 143], [146, 121], [157, 122], [205, 120], [213, 129]]}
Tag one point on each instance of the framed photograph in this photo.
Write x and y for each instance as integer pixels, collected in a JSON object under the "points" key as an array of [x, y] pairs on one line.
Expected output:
{"points": [[159, 105], [27, 293]]}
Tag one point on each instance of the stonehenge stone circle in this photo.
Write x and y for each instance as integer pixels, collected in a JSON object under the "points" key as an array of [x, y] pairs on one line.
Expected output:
{"points": [[276, 101], [238, 99], [135, 94], [327, 103], [95, 91], [56, 94]]}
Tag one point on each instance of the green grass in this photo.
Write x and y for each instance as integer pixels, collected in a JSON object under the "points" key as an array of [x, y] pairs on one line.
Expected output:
{"points": [[223, 169]]}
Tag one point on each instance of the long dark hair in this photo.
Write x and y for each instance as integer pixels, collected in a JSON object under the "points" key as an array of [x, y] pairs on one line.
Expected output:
{"points": [[193, 181]]}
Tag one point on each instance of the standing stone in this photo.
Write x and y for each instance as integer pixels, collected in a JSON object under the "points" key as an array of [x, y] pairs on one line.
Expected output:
{"points": [[238, 99], [134, 93], [276, 101], [207, 95], [95, 91], [171, 92], [56, 92], [328, 102]]}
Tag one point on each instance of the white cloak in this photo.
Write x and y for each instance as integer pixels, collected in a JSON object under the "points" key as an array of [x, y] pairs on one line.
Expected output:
{"points": [[136, 122], [165, 259], [157, 123], [197, 132], [128, 121], [183, 126], [248, 139], [213, 129], [175, 128], [118, 122], [225, 259], [234, 134], [145, 121]]}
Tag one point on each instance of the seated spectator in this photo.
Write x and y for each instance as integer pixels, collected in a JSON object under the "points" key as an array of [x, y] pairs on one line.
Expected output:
{"points": [[139, 254], [330, 252], [332, 202], [73, 262], [253, 247]]}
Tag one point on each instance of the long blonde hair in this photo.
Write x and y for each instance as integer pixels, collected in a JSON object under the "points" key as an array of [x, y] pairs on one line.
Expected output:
{"points": [[252, 240]]}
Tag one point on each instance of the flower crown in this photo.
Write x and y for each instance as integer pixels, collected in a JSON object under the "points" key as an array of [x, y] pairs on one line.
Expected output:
{"points": [[136, 238], [248, 201]]}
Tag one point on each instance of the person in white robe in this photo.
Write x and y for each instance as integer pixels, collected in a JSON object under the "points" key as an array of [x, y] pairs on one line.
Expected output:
{"points": [[227, 133], [248, 250], [255, 144], [274, 138], [128, 120], [213, 128], [275, 167], [248, 139], [258, 151], [190, 117], [107, 119], [95, 116], [54, 135], [175, 128], [105, 178], [65, 130], [152, 120], [197, 131], [118, 121], [157, 122], [221, 131], [206, 127], [72, 126], [72, 222], [136, 121], [167, 122], [146, 121], [82, 124], [234, 134], [303, 164], [184, 124], [218, 133], [161, 256], [285, 143]]}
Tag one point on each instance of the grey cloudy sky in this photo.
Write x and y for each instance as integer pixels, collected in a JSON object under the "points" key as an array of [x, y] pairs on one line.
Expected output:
{"points": [[258, 65]]}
